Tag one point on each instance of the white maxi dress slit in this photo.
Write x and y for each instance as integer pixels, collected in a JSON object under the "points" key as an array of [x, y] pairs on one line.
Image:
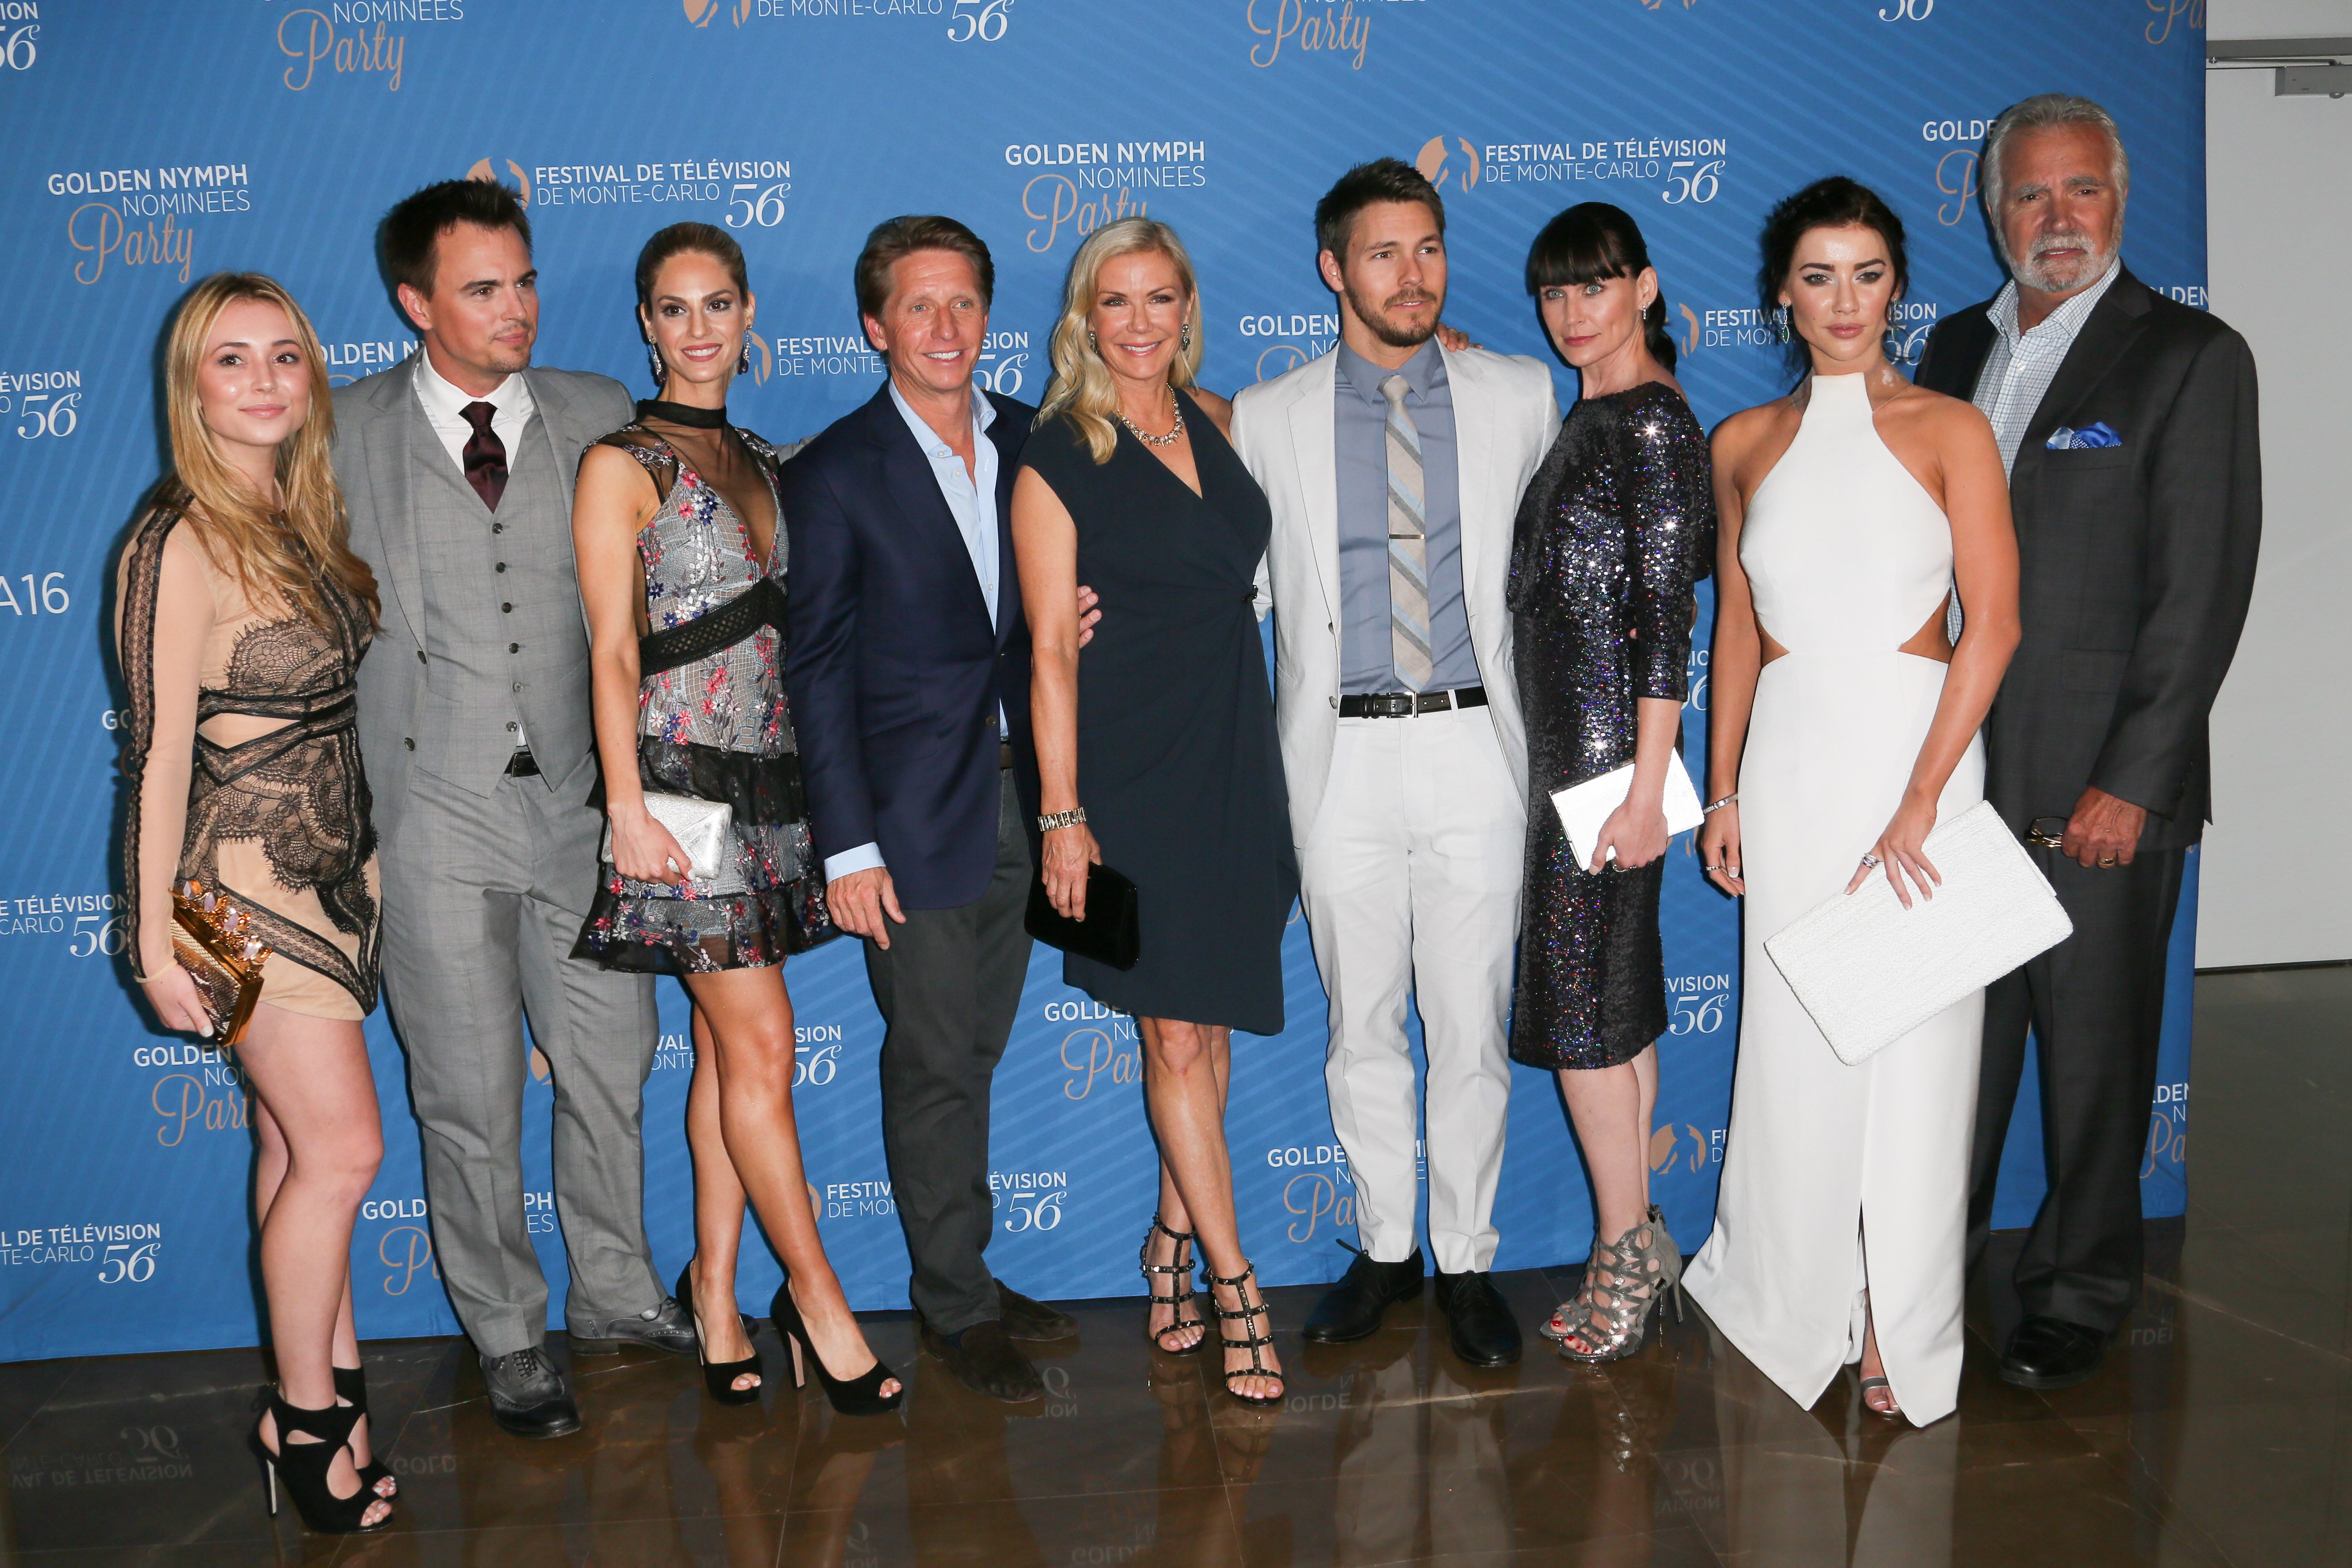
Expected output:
{"points": [[1840, 1179]]}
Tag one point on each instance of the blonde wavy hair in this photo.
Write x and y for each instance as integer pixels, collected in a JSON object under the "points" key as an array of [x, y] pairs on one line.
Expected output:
{"points": [[1084, 391], [279, 553]]}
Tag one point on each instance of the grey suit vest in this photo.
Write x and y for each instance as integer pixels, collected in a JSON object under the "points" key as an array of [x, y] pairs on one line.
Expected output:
{"points": [[505, 651]]}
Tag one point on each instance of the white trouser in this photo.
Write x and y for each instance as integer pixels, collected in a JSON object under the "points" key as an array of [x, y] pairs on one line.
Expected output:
{"points": [[1411, 881]]}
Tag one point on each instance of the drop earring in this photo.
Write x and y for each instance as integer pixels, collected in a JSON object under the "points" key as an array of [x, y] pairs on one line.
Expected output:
{"points": [[653, 360], [744, 365], [1184, 339], [1092, 344]]}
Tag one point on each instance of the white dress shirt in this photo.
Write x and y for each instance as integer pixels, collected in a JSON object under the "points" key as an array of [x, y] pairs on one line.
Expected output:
{"points": [[443, 406], [970, 495], [444, 410], [2020, 367]]}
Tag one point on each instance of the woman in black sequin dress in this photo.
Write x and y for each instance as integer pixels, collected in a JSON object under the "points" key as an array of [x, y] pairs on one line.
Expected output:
{"points": [[1617, 525]]}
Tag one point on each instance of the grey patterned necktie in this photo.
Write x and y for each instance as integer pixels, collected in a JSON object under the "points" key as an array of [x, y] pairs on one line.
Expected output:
{"points": [[1408, 544]]}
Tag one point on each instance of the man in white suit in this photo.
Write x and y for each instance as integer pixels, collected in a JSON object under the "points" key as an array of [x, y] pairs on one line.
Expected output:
{"points": [[1395, 468]]}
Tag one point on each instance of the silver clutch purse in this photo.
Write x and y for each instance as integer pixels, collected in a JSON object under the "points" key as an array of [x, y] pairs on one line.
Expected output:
{"points": [[1870, 971], [705, 829]]}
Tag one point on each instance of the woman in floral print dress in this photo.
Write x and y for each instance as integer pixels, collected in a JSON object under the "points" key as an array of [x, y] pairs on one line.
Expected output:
{"points": [[682, 566]]}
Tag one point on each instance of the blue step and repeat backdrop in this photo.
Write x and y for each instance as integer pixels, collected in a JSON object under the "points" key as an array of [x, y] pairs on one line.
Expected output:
{"points": [[152, 144]]}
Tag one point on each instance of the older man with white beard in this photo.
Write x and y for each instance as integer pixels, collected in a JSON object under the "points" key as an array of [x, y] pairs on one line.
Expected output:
{"points": [[2127, 422]]}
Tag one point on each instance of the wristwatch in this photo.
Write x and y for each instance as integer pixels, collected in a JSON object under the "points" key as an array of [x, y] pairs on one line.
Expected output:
{"points": [[1070, 819]]}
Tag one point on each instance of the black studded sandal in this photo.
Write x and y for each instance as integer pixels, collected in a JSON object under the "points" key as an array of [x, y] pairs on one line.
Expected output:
{"points": [[1241, 1284], [1181, 1270]]}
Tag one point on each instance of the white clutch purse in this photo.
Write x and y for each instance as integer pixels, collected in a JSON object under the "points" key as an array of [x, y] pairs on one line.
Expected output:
{"points": [[705, 829], [1584, 807], [1870, 971]]}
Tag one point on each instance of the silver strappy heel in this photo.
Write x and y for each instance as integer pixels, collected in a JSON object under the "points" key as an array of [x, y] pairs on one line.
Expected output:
{"points": [[1610, 1318]]}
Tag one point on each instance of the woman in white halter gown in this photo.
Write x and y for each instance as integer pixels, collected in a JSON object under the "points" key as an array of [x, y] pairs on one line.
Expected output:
{"points": [[1845, 1191]]}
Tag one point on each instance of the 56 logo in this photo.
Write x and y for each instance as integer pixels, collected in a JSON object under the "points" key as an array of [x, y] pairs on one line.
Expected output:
{"points": [[128, 1264], [979, 21], [19, 47], [43, 414]]}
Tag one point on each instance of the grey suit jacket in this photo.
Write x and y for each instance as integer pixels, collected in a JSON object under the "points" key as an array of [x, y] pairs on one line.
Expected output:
{"points": [[413, 713]]}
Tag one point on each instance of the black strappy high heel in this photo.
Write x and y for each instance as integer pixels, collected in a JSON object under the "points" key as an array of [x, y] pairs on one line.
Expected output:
{"points": [[859, 1395], [1180, 1269], [304, 1467], [1255, 1342], [351, 1387], [719, 1376]]}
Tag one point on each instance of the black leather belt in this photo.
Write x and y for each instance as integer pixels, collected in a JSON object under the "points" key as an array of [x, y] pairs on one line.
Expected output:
{"points": [[523, 765], [1407, 704]]}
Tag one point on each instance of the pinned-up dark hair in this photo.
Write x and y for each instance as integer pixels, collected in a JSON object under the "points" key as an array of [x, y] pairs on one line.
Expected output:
{"points": [[1836, 202], [406, 238], [688, 239], [1592, 241]]}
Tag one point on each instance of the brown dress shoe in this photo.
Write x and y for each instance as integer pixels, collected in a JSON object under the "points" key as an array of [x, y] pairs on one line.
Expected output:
{"points": [[1026, 1319]]}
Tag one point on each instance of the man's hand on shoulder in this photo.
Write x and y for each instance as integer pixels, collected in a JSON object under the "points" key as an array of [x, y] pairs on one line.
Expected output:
{"points": [[858, 901]]}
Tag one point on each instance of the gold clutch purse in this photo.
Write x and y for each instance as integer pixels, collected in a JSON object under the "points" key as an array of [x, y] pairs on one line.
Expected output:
{"points": [[210, 941]]}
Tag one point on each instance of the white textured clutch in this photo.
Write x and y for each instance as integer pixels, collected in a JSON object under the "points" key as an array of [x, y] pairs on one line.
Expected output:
{"points": [[705, 829], [1584, 807], [1870, 971]]}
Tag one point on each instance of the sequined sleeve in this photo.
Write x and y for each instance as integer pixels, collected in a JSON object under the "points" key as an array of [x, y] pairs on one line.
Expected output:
{"points": [[1669, 539]]}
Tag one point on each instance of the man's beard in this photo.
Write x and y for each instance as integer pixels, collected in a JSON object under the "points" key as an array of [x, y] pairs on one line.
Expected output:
{"points": [[1387, 330], [2059, 276]]}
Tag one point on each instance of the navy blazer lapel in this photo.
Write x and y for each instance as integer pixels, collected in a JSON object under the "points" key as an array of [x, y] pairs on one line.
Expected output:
{"points": [[914, 489], [2113, 322]]}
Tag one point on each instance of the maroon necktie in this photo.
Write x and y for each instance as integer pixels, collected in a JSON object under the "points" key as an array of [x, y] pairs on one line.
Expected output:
{"points": [[486, 455]]}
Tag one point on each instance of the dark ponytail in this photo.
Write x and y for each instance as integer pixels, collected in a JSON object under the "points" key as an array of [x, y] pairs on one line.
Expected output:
{"points": [[1591, 241]]}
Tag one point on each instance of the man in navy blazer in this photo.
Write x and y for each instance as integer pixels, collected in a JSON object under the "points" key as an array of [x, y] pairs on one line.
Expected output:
{"points": [[908, 671]]}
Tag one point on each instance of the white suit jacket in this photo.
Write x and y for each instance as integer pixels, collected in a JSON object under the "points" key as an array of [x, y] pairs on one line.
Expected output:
{"points": [[1505, 418]]}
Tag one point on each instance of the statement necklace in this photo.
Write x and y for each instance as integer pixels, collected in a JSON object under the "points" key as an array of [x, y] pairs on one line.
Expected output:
{"points": [[1169, 439]]}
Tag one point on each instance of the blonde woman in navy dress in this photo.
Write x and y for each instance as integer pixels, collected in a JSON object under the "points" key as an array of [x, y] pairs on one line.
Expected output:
{"points": [[1157, 751]]}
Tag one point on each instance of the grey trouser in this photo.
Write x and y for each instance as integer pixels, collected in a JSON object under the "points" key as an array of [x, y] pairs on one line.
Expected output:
{"points": [[949, 986], [482, 901]]}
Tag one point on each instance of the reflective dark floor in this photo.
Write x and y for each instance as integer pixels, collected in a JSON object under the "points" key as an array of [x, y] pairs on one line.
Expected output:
{"points": [[2219, 1432]]}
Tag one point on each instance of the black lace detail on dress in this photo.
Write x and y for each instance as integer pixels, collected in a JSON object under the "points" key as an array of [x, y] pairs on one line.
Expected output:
{"points": [[299, 790]]}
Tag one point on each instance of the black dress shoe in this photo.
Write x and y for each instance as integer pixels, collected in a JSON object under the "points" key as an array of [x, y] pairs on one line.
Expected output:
{"points": [[663, 1327], [529, 1396], [2048, 1353], [1026, 1319], [1485, 1332], [1352, 1310], [985, 1360]]}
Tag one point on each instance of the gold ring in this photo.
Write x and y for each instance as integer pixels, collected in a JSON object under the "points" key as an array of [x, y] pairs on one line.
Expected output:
{"points": [[2107, 860]]}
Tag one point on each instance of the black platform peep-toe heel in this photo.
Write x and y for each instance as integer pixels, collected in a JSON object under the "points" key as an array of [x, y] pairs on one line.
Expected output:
{"points": [[719, 1376], [860, 1396], [351, 1387], [304, 1466]]}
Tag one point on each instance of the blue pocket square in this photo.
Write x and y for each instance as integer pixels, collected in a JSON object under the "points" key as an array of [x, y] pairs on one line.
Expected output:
{"points": [[2097, 435]]}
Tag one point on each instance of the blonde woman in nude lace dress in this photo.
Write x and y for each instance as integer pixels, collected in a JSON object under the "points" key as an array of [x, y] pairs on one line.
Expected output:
{"points": [[242, 617]]}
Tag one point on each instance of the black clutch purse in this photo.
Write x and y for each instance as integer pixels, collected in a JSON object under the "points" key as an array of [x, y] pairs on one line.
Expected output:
{"points": [[1111, 934]]}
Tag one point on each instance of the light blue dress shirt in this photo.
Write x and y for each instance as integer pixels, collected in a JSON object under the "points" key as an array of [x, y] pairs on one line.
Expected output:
{"points": [[970, 495]]}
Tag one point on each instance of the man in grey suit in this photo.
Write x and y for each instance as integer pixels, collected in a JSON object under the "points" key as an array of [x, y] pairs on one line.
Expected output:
{"points": [[474, 723]]}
